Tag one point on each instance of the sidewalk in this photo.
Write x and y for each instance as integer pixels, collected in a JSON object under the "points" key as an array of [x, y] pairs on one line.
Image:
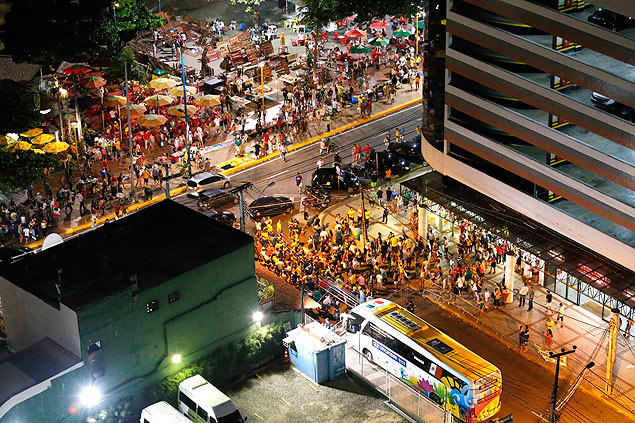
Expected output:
{"points": [[581, 327]]}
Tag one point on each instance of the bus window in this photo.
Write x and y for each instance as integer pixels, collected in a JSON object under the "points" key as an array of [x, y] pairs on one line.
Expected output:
{"points": [[353, 323]]}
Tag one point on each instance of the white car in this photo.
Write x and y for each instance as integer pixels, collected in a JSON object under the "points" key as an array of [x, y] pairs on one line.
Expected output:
{"points": [[205, 180]]}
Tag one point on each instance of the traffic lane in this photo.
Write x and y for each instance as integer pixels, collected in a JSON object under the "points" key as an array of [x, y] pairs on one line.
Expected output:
{"points": [[304, 160], [527, 386]]}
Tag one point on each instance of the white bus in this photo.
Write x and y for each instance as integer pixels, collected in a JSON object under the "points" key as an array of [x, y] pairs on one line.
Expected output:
{"points": [[426, 359]]}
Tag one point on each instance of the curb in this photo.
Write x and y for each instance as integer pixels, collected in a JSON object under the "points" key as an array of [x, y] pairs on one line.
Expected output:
{"points": [[332, 132], [543, 364]]}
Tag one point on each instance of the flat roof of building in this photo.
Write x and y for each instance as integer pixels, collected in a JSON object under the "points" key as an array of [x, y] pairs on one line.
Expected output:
{"points": [[41, 361], [155, 244]]}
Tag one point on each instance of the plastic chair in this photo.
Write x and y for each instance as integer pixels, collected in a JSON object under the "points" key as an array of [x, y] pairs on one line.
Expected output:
{"points": [[242, 27], [294, 42]]}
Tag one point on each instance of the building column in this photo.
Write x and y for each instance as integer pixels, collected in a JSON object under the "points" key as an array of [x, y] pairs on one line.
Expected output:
{"points": [[510, 262], [422, 224]]}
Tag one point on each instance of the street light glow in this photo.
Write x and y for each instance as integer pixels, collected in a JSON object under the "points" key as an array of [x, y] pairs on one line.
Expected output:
{"points": [[258, 316], [63, 91], [90, 396], [176, 358]]}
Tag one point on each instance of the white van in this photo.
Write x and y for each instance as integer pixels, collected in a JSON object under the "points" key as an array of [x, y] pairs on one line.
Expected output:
{"points": [[162, 412], [203, 402]]}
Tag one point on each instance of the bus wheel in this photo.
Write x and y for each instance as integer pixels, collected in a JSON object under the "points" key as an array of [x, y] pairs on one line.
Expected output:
{"points": [[463, 413], [368, 355], [434, 397]]}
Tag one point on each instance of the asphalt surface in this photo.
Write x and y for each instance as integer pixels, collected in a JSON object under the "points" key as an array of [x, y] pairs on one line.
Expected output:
{"points": [[527, 387], [304, 160]]}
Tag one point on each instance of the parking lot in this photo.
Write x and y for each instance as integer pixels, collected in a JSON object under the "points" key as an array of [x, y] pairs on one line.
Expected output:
{"points": [[283, 394]]}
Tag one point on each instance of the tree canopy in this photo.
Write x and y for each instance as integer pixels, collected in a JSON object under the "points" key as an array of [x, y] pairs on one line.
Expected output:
{"points": [[366, 10], [18, 112], [49, 31], [18, 170]]}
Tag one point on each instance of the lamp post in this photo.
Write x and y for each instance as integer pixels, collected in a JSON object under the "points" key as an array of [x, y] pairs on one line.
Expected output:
{"points": [[125, 72], [187, 124], [62, 96], [114, 17]]}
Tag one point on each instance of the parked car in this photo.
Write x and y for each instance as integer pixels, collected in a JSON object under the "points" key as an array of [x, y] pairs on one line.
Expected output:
{"points": [[408, 150], [225, 217], [328, 178], [206, 180], [611, 20], [387, 160], [613, 107], [212, 198], [269, 206]]}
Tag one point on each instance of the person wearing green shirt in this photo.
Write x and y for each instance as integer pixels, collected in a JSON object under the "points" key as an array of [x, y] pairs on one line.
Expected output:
{"points": [[530, 298]]}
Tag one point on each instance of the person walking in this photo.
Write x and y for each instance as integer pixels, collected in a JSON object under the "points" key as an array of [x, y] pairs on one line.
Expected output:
{"points": [[560, 317], [530, 297], [283, 152], [627, 329], [549, 325], [384, 217], [549, 299], [298, 182], [548, 340], [522, 295]]}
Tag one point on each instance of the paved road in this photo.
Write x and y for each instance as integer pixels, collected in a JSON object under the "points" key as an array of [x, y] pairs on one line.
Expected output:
{"points": [[304, 160], [526, 386]]}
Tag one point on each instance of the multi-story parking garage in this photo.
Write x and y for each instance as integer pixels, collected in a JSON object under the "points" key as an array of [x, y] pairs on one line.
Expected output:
{"points": [[532, 105]]}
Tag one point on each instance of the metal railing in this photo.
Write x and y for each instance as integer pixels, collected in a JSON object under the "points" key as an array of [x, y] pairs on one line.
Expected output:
{"points": [[341, 293], [417, 406]]}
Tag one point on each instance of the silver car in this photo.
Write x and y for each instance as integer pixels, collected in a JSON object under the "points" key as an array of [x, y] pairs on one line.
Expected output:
{"points": [[205, 180]]}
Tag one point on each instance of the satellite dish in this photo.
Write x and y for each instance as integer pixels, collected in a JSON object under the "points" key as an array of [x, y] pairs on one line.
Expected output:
{"points": [[51, 241]]}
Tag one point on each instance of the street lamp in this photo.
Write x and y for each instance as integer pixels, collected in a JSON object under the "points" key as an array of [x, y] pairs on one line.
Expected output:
{"points": [[90, 396], [62, 95], [114, 16], [176, 358], [258, 316]]}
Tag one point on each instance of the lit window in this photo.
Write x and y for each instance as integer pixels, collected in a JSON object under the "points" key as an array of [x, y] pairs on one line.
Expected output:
{"points": [[152, 306]]}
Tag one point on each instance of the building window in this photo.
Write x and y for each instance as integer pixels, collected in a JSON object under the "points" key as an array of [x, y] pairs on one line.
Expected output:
{"points": [[152, 306], [173, 297]]}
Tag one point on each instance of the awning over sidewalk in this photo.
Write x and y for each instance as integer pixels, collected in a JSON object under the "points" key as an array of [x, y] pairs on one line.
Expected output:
{"points": [[555, 249]]}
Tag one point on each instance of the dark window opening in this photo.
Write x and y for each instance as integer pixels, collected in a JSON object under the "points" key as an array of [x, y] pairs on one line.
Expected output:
{"points": [[173, 297]]}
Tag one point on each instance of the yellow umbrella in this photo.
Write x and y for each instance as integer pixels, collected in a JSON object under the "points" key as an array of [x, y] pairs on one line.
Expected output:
{"points": [[32, 132], [151, 121], [114, 100], [179, 110], [282, 38], [158, 100], [20, 145], [162, 83], [43, 139], [178, 91], [55, 147], [38, 151], [207, 100], [137, 110], [4, 140]]}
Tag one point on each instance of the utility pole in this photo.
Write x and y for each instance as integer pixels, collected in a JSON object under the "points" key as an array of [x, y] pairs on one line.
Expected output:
{"points": [[553, 417], [187, 123], [614, 327], [363, 217], [241, 201]]}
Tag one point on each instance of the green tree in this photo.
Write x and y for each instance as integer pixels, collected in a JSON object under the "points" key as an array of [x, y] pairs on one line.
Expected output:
{"points": [[18, 112], [316, 15], [252, 7], [136, 71], [367, 10], [133, 17], [19, 169]]}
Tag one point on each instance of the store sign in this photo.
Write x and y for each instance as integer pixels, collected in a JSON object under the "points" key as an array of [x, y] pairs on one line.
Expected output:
{"points": [[597, 276]]}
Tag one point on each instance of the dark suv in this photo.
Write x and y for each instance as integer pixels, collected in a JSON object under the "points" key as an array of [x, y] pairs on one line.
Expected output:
{"points": [[328, 178]]}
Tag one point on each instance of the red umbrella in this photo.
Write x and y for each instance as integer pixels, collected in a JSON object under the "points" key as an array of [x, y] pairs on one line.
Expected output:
{"points": [[76, 70], [379, 25], [354, 33], [403, 19]]}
